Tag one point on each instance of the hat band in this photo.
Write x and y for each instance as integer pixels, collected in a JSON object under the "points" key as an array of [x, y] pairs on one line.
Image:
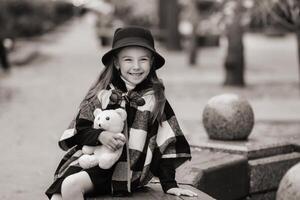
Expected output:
{"points": [[133, 41]]}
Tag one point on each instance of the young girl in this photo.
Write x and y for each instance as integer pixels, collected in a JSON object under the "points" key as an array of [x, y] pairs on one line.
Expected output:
{"points": [[154, 145]]}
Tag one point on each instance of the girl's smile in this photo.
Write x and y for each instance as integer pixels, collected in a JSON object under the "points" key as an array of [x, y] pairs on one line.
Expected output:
{"points": [[136, 74], [134, 64]]}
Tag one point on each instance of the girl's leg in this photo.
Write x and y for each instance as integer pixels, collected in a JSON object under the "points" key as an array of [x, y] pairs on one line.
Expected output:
{"points": [[76, 185], [56, 197]]}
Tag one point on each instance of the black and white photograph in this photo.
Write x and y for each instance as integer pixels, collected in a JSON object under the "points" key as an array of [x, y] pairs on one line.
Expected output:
{"points": [[150, 99]]}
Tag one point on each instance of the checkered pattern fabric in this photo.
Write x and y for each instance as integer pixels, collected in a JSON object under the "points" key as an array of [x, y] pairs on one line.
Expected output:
{"points": [[147, 142]]}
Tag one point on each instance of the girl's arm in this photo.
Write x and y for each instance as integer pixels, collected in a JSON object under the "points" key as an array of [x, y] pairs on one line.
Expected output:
{"points": [[166, 174], [86, 134]]}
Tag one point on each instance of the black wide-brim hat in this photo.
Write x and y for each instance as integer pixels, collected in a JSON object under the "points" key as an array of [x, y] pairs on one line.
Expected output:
{"points": [[133, 36]]}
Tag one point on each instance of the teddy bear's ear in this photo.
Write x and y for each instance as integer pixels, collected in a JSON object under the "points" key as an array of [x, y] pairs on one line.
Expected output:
{"points": [[97, 111], [122, 113]]}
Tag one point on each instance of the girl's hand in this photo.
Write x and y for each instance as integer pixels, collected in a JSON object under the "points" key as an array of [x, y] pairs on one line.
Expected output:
{"points": [[111, 140], [181, 191]]}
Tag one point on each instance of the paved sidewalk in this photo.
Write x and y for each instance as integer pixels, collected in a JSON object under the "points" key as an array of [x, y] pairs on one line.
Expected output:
{"points": [[37, 101]]}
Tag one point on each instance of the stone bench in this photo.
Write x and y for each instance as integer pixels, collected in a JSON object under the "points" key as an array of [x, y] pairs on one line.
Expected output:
{"points": [[154, 191]]}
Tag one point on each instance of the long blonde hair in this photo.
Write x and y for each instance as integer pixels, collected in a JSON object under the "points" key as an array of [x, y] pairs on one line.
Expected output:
{"points": [[106, 77]]}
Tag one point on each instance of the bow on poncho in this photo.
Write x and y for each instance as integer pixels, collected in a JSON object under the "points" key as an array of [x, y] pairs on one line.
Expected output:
{"points": [[147, 142]]}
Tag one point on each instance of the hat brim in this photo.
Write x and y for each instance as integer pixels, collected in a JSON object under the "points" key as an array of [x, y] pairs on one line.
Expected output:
{"points": [[159, 61]]}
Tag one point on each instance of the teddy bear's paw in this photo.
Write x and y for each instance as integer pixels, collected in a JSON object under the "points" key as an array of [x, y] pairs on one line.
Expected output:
{"points": [[106, 161], [106, 165], [87, 161], [88, 149]]}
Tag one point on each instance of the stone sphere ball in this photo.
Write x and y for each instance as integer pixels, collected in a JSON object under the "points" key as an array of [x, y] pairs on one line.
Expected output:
{"points": [[289, 187], [228, 117]]}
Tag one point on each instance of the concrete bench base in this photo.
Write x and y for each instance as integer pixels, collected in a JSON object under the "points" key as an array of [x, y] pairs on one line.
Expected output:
{"points": [[154, 191]]}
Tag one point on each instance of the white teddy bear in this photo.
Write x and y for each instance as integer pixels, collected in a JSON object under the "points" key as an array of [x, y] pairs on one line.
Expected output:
{"points": [[108, 120]]}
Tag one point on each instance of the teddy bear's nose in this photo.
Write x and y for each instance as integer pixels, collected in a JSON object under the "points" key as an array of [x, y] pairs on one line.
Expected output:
{"points": [[107, 118]]}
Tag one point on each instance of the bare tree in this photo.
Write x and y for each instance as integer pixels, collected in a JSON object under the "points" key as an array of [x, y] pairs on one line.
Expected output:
{"points": [[230, 15], [234, 62], [193, 16], [200, 10], [234, 15], [284, 12], [169, 19]]}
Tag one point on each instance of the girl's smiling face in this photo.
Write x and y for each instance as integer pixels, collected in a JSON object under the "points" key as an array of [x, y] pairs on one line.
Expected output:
{"points": [[134, 63]]}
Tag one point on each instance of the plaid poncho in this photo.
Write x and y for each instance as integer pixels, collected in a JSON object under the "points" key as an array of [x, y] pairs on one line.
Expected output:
{"points": [[147, 142]]}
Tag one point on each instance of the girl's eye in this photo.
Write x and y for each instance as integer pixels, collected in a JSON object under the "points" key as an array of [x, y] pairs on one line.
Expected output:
{"points": [[107, 118], [127, 60], [144, 59]]}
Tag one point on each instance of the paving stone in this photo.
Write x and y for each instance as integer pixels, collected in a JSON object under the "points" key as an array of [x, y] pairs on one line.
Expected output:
{"points": [[266, 173], [221, 175]]}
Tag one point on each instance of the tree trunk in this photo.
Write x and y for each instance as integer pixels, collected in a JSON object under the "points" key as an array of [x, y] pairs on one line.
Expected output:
{"points": [[3, 56], [298, 42], [193, 38], [162, 14], [193, 47], [234, 63], [169, 18]]}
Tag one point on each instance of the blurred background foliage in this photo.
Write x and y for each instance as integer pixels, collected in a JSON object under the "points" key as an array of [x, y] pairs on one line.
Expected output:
{"points": [[24, 18], [27, 18], [178, 24], [137, 12]]}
